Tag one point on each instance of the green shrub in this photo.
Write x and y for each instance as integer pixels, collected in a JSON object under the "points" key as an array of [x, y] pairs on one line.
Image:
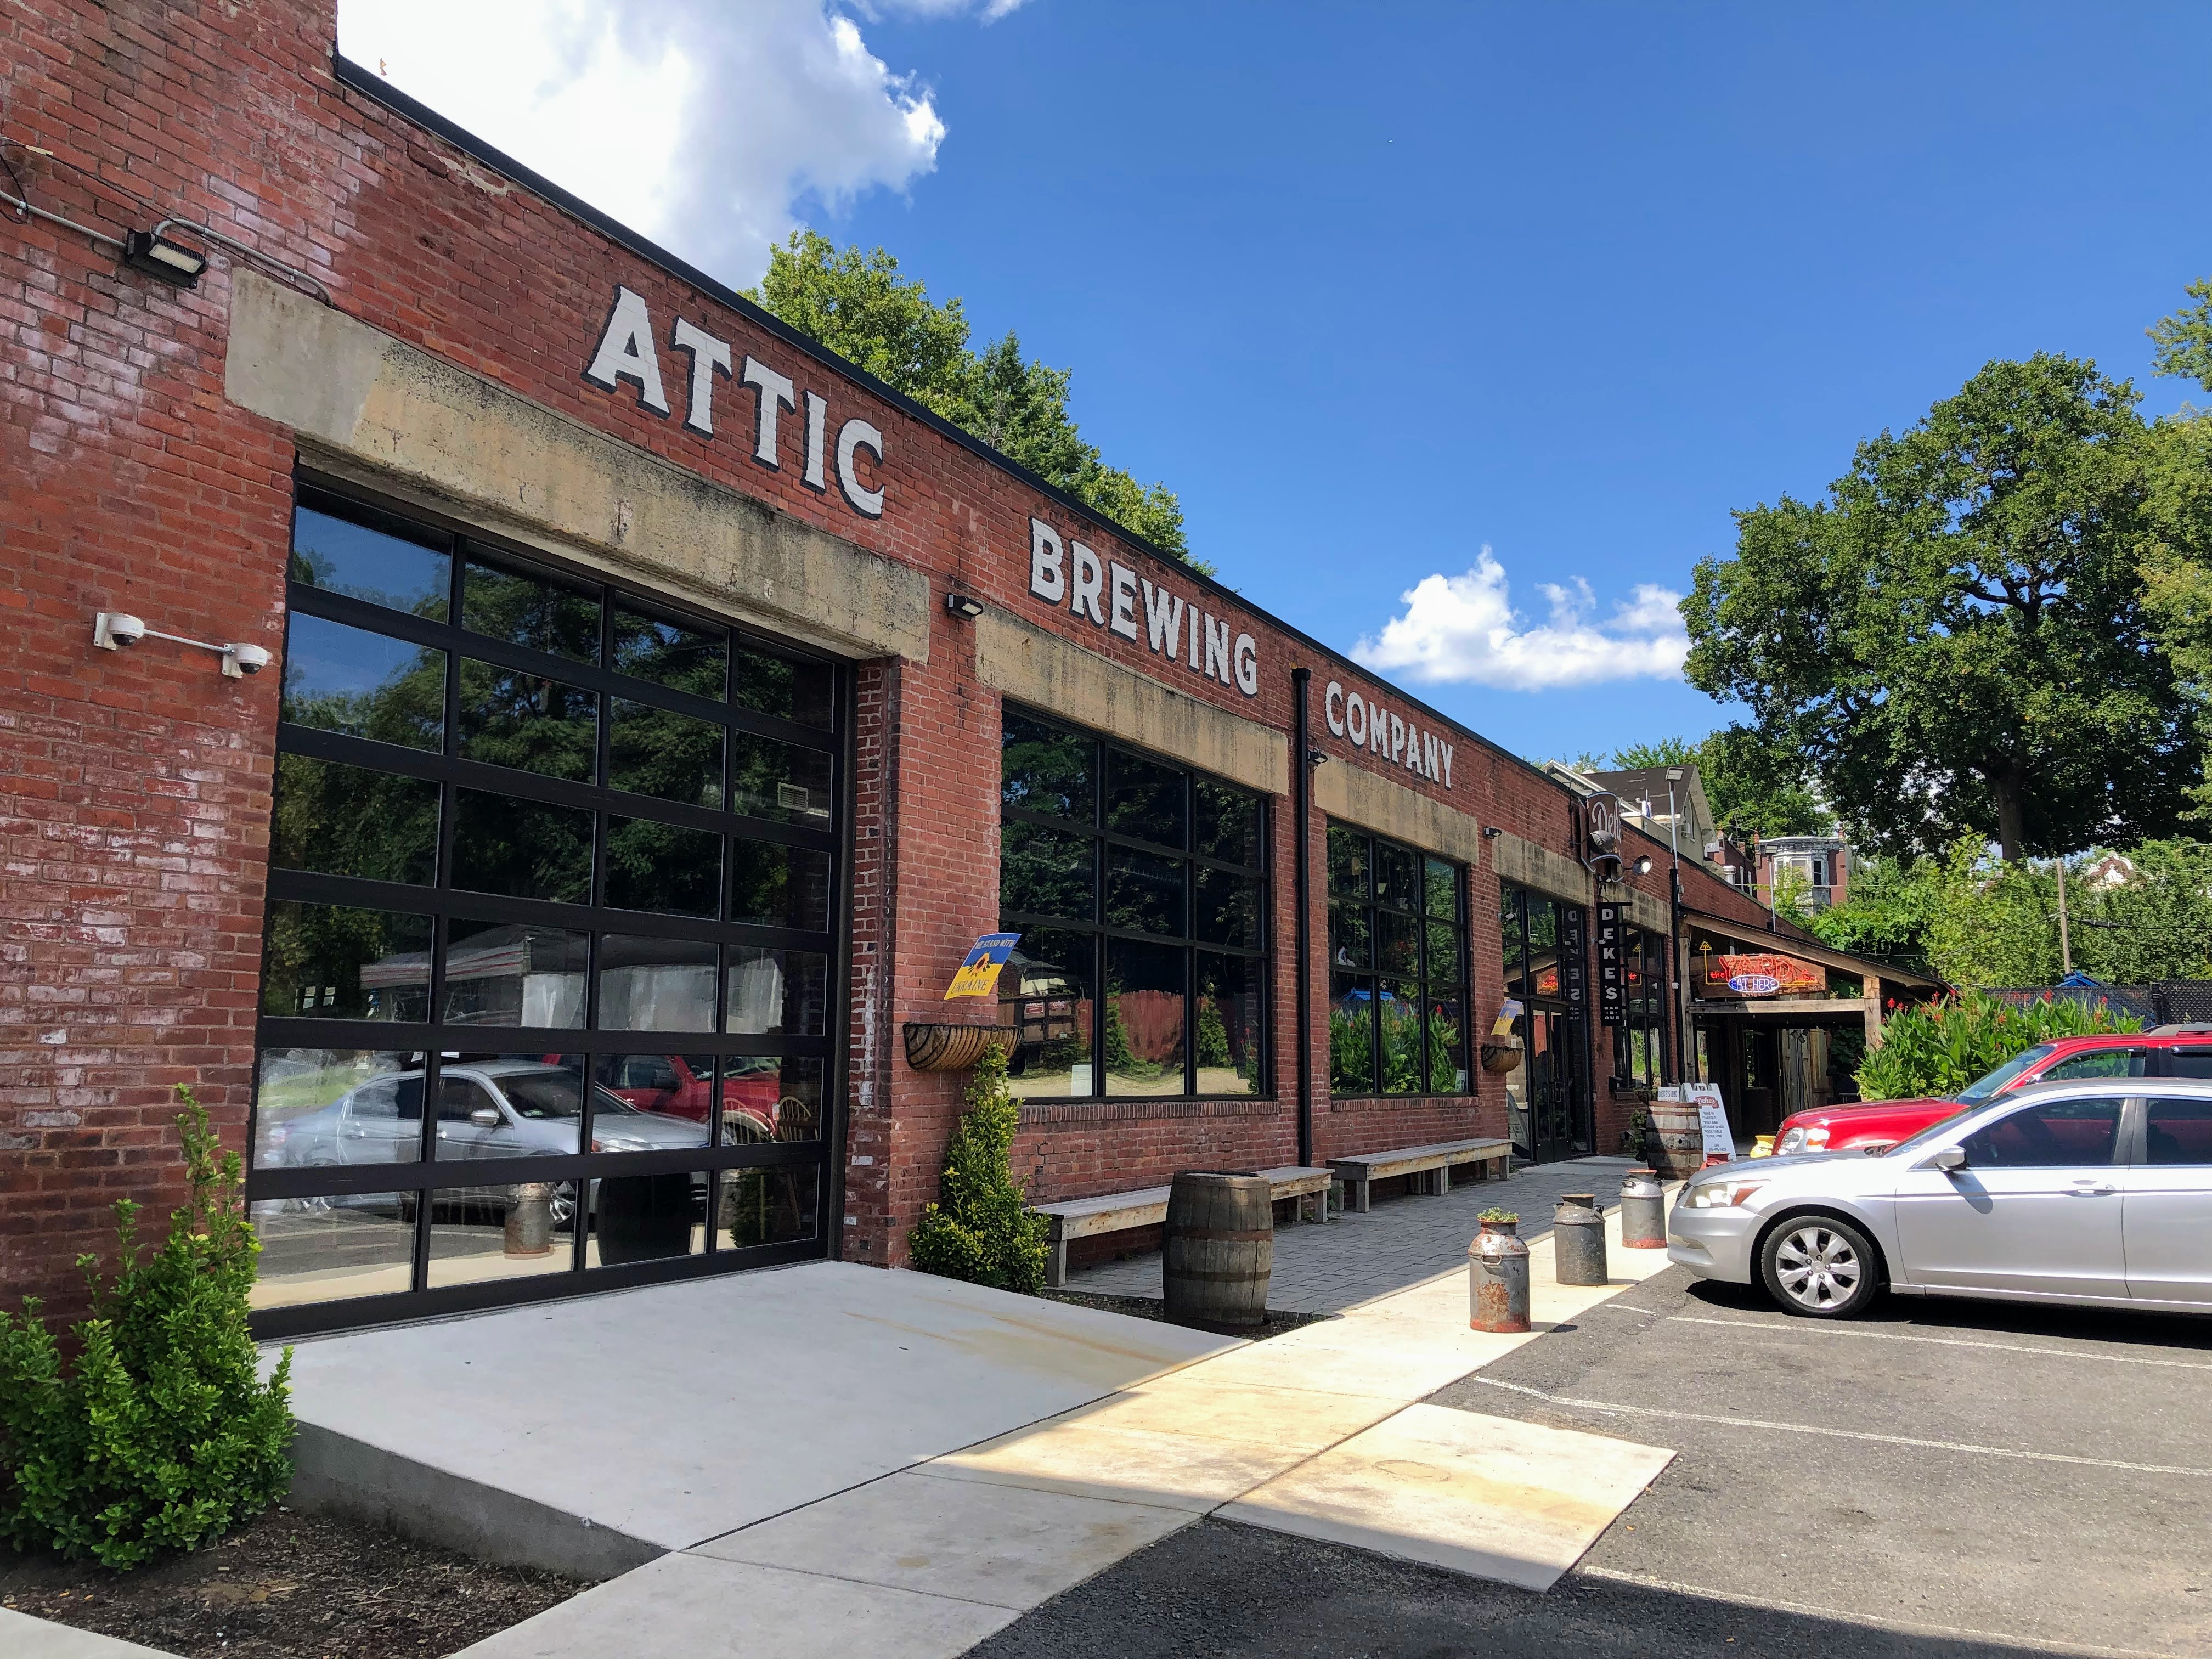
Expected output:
{"points": [[983, 1231], [1936, 1049], [160, 1434]]}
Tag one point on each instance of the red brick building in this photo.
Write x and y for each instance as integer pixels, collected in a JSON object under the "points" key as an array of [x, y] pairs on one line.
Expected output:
{"points": [[656, 710]]}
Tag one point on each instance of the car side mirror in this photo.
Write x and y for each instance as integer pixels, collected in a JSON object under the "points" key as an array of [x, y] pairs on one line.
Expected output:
{"points": [[1950, 1158], [484, 1117]]}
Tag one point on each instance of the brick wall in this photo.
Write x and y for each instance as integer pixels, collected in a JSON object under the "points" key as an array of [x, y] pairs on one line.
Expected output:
{"points": [[134, 801]]}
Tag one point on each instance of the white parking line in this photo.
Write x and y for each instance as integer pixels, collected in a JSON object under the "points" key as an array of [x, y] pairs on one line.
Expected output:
{"points": [[1614, 1409], [1801, 1329], [1912, 1627]]}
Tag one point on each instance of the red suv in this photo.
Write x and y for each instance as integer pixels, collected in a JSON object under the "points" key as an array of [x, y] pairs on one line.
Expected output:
{"points": [[2168, 1051]]}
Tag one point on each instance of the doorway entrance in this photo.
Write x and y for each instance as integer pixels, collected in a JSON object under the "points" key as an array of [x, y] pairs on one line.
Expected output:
{"points": [[1549, 1096]]}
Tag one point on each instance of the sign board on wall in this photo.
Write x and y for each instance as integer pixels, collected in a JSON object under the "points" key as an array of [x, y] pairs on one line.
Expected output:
{"points": [[1105, 592], [1365, 724], [1759, 974], [979, 974], [1573, 984], [1612, 971], [629, 353]]}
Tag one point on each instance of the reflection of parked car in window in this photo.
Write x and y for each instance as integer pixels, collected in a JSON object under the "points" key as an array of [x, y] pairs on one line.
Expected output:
{"points": [[496, 1109], [754, 1104], [2173, 1051]]}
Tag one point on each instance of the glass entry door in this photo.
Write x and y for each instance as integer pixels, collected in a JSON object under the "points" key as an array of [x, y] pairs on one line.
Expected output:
{"points": [[1548, 1095], [1558, 1083]]}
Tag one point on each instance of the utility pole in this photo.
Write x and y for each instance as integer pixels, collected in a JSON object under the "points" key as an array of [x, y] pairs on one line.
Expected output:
{"points": [[2065, 944]]}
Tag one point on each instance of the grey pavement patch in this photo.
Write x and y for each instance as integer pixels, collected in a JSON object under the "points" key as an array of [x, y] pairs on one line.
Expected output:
{"points": [[1233, 1592], [2029, 1553], [1804, 1329], [1613, 1408]]}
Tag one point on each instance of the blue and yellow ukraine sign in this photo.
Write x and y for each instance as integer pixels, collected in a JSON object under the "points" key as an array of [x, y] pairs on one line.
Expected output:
{"points": [[979, 974]]}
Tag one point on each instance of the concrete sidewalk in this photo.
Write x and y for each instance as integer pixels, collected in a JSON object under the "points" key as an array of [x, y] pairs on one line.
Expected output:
{"points": [[1357, 1259], [1318, 1432]]}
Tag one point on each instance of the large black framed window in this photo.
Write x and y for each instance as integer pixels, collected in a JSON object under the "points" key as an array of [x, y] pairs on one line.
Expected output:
{"points": [[1139, 889], [549, 987], [1398, 969], [1640, 1054]]}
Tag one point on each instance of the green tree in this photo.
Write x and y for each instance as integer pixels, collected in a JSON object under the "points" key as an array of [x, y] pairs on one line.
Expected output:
{"points": [[858, 305], [1753, 787], [2181, 344], [1955, 639], [2176, 554]]}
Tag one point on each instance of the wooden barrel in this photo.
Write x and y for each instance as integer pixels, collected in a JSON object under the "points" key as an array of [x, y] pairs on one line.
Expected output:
{"points": [[1681, 1148], [1220, 1249]]}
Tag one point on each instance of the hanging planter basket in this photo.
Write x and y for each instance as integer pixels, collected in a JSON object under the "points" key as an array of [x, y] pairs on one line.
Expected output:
{"points": [[935, 1048], [1501, 1054]]}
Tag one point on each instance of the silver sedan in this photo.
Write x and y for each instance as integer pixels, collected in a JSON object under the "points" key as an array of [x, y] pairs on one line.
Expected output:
{"points": [[2097, 1193]]}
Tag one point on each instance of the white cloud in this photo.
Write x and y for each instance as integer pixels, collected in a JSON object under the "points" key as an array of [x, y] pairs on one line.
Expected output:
{"points": [[1464, 627], [711, 127]]}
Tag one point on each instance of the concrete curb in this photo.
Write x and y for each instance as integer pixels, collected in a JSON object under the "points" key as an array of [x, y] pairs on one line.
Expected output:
{"points": [[334, 1474]]}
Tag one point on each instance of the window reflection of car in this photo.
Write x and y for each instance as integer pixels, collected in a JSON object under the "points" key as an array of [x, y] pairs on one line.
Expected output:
{"points": [[499, 1109], [754, 1104]]}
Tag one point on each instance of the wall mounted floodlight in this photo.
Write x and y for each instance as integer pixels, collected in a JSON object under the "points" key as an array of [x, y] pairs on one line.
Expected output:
{"points": [[1315, 757], [1490, 832], [961, 605], [112, 630], [159, 256], [1643, 865]]}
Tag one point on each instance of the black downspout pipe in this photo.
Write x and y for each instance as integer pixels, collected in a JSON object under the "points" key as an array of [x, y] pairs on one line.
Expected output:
{"points": [[1301, 865], [1675, 958]]}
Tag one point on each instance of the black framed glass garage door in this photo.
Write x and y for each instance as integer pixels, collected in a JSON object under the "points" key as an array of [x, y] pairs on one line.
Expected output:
{"points": [[550, 984]]}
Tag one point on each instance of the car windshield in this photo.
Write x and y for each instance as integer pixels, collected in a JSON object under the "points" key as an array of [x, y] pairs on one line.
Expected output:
{"points": [[1939, 1130], [1991, 1084], [538, 1095]]}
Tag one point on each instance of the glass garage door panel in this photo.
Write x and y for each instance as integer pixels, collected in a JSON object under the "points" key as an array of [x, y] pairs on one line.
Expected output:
{"points": [[549, 981]]}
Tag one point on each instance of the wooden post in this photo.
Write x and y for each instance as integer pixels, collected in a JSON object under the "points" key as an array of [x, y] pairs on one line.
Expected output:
{"points": [[1873, 1012]]}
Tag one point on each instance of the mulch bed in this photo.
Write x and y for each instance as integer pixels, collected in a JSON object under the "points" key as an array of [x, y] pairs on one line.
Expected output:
{"points": [[1279, 1320], [289, 1586]]}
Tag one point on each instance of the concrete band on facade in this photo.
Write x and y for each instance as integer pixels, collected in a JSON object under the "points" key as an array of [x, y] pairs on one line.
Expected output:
{"points": [[158, 442]]}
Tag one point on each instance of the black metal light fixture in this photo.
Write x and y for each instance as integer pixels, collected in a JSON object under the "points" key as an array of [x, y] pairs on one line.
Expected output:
{"points": [[1490, 832], [961, 605], [1643, 865], [167, 261], [1317, 756]]}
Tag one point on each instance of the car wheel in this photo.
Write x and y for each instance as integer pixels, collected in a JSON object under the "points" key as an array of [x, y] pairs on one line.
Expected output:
{"points": [[1820, 1267]]}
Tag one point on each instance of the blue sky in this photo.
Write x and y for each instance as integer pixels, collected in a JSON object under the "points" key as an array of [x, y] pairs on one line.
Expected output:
{"points": [[1376, 287]]}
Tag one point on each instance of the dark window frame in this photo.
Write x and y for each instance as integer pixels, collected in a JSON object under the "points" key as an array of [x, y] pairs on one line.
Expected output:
{"points": [[1104, 746], [1428, 987], [429, 1041], [1643, 1006]]}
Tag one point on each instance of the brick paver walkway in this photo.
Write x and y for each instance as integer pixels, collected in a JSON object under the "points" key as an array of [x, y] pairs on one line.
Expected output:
{"points": [[1400, 1242]]}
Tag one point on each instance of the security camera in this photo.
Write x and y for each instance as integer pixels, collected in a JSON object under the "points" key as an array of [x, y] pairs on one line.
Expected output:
{"points": [[112, 630], [238, 659]]}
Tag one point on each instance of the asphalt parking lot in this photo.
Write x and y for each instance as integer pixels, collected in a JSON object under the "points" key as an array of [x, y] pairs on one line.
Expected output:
{"points": [[1945, 1477]]}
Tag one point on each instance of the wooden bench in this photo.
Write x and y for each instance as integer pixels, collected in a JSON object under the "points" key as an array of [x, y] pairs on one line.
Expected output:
{"points": [[1435, 1161], [1114, 1212]]}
